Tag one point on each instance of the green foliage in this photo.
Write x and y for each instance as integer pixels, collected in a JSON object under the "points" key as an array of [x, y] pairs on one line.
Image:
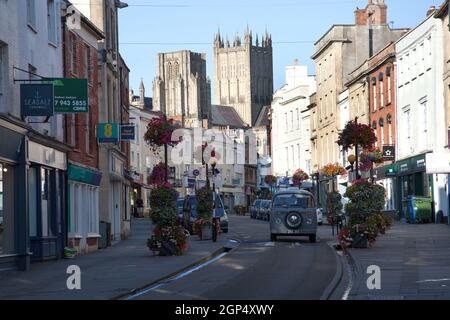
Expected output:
{"points": [[334, 203], [205, 203], [163, 201], [365, 198]]}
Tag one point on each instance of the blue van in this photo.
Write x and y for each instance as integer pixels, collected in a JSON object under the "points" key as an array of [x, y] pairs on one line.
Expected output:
{"points": [[190, 212]]}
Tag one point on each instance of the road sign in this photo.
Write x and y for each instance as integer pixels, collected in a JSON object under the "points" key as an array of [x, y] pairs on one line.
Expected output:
{"points": [[71, 95], [36, 100], [108, 132], [127, 132], [196, 173]]}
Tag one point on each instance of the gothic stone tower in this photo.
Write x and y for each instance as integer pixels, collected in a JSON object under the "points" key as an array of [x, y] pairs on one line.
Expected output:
{"points": [[181, 89], [243, 75]]}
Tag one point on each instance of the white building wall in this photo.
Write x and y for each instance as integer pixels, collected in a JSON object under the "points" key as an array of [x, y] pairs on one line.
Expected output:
{"points": [[420, 102], [28, 45], [291, 123]]}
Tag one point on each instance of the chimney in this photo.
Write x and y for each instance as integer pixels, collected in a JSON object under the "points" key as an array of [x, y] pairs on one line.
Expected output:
{"points": [[431, 10]]}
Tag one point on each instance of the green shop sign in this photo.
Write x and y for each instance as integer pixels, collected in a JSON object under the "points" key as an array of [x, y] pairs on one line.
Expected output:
{"points": [[84, 175], [71, 95]]}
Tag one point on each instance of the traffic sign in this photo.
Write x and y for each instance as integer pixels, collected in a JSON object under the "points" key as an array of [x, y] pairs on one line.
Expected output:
{"points": [[196, 173]]}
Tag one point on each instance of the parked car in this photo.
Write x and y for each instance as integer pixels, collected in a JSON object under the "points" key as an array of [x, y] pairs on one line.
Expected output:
{"points": [[293, 213], [254, 208], [319, 216], [263, 212], [190, 212], [180, 205]]}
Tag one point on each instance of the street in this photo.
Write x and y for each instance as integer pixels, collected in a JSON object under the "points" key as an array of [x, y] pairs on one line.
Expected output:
{"points": [[258, 269]]}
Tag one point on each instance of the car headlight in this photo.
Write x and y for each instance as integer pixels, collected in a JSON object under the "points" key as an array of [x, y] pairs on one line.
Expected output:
{"points": [[278, 221]]}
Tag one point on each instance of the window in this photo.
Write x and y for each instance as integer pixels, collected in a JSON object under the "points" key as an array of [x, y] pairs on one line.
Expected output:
{"points": [[407, 117], [132, 156], [292, 120], [73, 53], [381, 91], [299, 155], [382, 136], [287, 158], [88, 132], [31, 13], [286, 117], [389, 89], [51, 21], [424, 117], [87, 63], [46, 203], [3, 77], [374, 91], [293, 157], [73, 131], [298, 120], [138, 158]]}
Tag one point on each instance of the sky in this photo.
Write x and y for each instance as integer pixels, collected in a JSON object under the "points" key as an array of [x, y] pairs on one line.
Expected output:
{"points": [[148, 27]]}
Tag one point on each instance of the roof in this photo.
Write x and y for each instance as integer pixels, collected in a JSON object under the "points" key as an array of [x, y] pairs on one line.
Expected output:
{"points": [[226, 116], [262, 120]]}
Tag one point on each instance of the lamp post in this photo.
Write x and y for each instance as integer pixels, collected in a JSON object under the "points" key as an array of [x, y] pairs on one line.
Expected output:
{"points": [[213, 163]]}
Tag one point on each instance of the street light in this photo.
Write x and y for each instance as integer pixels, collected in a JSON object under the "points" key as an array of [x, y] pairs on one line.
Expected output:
{"points": [[213, 164]]}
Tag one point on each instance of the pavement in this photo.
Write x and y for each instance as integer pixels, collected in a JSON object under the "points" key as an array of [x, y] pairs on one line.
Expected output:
{"points": [[414, 260], [107, 273]]}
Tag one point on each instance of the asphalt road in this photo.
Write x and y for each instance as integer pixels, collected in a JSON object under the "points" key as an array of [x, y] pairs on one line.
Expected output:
{"points": [[290, 268]]}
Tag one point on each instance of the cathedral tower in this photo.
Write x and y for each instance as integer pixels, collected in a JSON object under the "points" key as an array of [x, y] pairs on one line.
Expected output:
{"points": [[181, 89], [243, 74]]}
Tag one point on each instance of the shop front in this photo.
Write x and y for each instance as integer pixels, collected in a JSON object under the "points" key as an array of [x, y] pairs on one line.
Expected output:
{"points": [[386, 177], [14, 242], [47, 196], [83, 208], [413, 181]]}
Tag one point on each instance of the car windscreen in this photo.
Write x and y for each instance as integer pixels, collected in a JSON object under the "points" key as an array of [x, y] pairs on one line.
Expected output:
{"points": [[256, 203], [294, 200], [180, 204]]}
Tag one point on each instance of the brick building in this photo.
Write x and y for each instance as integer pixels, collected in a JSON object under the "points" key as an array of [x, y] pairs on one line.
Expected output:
{"points": [[80, 61], [382, 113]]}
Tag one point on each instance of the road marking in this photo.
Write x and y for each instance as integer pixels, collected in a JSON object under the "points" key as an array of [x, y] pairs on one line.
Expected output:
{"points": [[178, 277], [433, 280]]}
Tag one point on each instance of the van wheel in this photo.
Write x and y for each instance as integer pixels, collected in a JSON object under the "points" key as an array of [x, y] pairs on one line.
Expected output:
{"points": [[312, 238], [273, 237]]}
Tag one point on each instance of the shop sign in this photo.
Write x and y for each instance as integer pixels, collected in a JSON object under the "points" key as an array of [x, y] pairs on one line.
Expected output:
{"points": [[108, 133], [84, 175], [438, 163], [36, 100], [388, 153], [127, 132], [71, 95]]}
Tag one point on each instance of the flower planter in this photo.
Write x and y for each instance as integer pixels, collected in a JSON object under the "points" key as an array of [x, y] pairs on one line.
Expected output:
{"points": [[206, 232], [360, 242], [168, 248]]}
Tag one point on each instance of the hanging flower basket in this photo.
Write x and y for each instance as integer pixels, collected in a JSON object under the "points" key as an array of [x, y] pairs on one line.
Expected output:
{"points": [[333, 169], [270, 179], [299, 176], [357, 134], [159, 133]]}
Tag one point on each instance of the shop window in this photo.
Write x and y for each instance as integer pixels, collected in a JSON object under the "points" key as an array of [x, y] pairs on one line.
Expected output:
{"points": [[46, 202], [2, 214], [33, 201]]}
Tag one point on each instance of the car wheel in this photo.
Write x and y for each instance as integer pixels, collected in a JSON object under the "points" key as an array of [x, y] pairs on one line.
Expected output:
{"points": [[273, 237], [312, 238]]}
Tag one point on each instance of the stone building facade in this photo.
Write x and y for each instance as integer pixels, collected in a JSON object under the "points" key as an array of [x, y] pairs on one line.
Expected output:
{"points": [[181, 89], [338, 53], [243, 74], [81, 46], [444, 14]]}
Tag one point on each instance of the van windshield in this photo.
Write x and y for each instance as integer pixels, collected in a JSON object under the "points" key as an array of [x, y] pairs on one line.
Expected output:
{"points": [[294, 200]]}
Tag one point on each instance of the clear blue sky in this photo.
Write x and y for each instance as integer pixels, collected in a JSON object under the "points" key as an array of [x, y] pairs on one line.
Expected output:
{"points": [[171, 25]]}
